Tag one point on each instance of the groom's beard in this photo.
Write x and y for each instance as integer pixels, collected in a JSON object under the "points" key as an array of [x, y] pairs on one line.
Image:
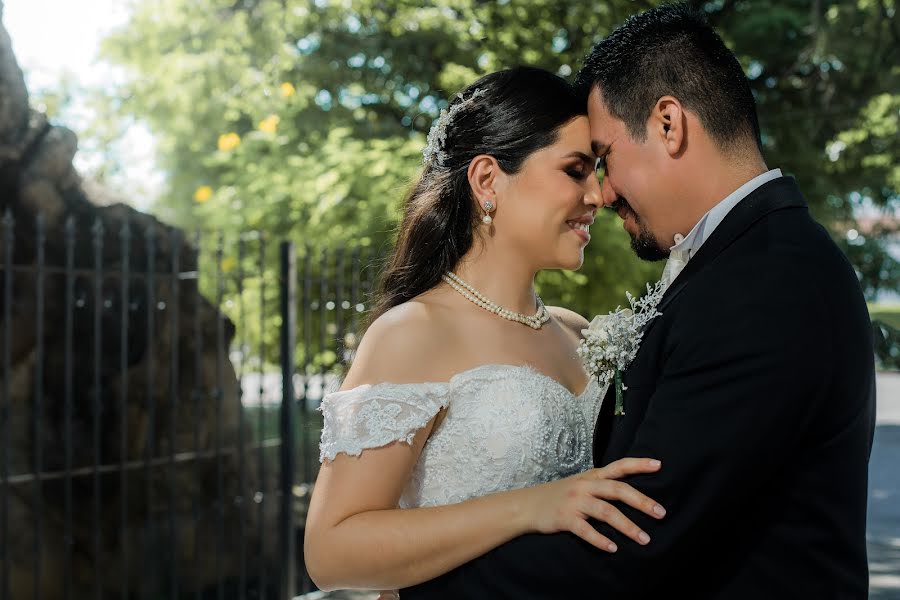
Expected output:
{"points": [[644, 243]]}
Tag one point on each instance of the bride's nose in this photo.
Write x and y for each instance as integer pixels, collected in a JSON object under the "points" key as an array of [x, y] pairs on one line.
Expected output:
{"points": [[593, 196]]}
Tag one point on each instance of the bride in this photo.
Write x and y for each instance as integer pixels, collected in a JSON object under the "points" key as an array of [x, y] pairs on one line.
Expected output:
{"points": [[466, 418]]}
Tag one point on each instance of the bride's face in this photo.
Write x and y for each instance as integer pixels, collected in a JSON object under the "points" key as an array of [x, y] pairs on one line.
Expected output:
{"points": [[545, 210]]}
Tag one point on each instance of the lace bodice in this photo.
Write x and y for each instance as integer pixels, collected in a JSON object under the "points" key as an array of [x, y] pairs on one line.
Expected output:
{"points": [[506, 427]]}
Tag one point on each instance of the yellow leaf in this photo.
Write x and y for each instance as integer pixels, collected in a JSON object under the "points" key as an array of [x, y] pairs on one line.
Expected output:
{"points": [[203, 193], [269, 124], [229, 141], [228, 264], [287, 89]]}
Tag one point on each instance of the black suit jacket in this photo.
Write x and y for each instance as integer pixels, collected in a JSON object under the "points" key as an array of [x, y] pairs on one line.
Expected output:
{"points": [[755, 388]]}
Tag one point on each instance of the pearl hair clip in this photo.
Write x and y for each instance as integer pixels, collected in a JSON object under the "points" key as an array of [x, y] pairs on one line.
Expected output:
{"points": [[434, 151]]}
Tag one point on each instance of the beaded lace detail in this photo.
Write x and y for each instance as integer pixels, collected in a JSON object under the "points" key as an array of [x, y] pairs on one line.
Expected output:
{"points": [[506, 427], [371, 416]]}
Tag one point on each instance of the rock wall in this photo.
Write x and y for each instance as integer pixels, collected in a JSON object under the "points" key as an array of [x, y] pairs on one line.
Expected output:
{"points": [[139, 399]]}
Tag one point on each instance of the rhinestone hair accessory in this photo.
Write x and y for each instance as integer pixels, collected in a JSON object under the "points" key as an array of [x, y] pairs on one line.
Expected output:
{"points": [[435, 152]]}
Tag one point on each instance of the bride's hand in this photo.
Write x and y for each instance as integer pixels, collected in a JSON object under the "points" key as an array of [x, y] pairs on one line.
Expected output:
{"points": [[567, 504]]}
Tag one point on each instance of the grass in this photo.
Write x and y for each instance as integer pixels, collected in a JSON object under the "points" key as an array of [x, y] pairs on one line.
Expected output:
{"points": [[886, 313]]}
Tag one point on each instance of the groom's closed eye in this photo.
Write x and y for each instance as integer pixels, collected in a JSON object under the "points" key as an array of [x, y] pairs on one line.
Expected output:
{"points": [[600, 167]]}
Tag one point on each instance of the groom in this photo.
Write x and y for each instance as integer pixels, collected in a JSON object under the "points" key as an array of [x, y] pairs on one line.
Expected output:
{"points": [[755, 388]]}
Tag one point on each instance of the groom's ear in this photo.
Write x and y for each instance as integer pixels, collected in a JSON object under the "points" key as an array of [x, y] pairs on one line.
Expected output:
{"points": [[484, 176], [667, 123]]}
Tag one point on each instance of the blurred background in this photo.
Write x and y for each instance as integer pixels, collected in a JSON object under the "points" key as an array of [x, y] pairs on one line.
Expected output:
{"points": [[232, 126]]}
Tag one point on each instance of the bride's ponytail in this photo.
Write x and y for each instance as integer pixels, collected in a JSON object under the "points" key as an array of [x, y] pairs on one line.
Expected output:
{"points": [[436, 231]]}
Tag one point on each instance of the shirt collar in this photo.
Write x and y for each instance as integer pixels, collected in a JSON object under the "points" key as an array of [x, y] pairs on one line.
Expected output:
{"points": [[707, 224]]}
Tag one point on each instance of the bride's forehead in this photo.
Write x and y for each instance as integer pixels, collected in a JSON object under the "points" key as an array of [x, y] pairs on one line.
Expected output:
{"points": [[574, 136]]}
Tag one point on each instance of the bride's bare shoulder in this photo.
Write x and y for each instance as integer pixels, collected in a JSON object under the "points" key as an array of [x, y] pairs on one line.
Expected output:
{"points": [[406, 344], [420, 319]]}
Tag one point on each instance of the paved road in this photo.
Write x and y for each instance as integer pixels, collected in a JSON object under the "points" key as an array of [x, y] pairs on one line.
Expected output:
{"points": [[884, 494], [884, 500]]}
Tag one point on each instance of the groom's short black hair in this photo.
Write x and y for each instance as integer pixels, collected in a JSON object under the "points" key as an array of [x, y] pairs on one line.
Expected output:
{"points": [[672, 50]]}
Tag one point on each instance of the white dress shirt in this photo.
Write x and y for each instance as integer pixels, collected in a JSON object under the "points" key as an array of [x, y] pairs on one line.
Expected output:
{"points": [[687, 246]]}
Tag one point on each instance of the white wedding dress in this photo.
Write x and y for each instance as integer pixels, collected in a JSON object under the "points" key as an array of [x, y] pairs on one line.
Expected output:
{"points": [[506, 427]]}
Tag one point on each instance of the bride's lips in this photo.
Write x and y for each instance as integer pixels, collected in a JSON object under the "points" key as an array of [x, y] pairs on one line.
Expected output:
{"points": [[580, 227]]}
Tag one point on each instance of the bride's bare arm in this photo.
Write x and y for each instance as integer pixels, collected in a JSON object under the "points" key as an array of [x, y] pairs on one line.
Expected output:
{"points": [[357, 537]]}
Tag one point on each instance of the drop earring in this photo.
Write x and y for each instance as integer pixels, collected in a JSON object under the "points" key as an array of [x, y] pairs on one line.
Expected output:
{"points": [[488, 207]]}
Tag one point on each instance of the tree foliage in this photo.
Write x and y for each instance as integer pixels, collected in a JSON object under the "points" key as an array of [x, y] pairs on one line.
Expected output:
{"points": [[305, 119]]}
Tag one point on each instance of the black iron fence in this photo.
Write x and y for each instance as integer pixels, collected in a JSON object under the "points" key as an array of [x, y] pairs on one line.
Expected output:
{"points": [[145, 451]]}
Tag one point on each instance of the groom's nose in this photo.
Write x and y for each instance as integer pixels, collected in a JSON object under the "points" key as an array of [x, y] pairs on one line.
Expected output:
{"points": [[607, 193]]}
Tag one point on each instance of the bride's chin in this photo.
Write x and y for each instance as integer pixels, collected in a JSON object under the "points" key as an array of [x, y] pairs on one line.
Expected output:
{"points": [[572, 263], [568, 259]]}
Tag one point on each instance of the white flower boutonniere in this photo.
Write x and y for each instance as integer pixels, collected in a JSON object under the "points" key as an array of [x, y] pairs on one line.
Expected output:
{"points": [[611, 341]]}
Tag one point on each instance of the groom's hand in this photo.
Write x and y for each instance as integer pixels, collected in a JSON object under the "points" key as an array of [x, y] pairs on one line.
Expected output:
{"points": [[567, 504]]}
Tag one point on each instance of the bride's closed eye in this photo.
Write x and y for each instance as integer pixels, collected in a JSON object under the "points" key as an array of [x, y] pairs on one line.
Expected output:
{"points": [[578, 171]]}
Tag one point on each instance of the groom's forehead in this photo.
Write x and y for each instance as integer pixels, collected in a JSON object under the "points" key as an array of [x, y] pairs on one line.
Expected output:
{"points": [[600, 122], [596, 104]]}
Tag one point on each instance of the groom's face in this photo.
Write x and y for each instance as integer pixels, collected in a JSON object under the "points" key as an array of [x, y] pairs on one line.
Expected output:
{"points": [[633, 185]]}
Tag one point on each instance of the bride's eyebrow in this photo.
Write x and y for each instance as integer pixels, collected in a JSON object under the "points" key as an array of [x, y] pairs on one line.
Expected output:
{"points": [[587, 158]]}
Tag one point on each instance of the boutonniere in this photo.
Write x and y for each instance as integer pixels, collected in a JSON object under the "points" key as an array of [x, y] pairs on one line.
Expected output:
{"points": [[611, 341]]}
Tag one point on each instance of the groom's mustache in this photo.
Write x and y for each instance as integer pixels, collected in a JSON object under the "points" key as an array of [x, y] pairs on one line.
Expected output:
{"points": [[622, 204]]}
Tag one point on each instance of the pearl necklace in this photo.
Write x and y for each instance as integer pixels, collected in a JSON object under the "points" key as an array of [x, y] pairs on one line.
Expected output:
{"points": [[535, 321]]}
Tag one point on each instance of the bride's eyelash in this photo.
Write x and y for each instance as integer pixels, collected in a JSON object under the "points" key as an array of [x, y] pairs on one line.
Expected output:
{"points": [[577, 172]]}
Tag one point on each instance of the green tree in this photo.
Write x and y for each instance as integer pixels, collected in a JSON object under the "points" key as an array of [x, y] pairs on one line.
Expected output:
{"points": [[306, 119], [828, 100]]}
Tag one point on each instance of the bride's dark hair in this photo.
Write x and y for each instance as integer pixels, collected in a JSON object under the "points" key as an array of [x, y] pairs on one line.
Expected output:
{"points": [[518, 112]]}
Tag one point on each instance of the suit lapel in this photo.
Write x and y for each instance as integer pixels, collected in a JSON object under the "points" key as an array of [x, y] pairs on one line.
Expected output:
{"points": [[774, 195], [603, 425]]}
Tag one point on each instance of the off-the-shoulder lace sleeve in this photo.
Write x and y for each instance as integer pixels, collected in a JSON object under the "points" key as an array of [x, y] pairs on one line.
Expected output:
{"points": [[371, 416]]}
